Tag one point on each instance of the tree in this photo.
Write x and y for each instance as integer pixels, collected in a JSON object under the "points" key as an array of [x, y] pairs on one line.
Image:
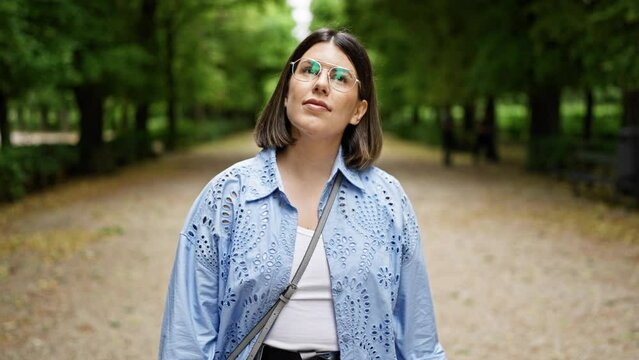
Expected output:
{"points": [[33, 53], [231, 55], [256, 38], [613, 28], [106, 61], [147, 38]]}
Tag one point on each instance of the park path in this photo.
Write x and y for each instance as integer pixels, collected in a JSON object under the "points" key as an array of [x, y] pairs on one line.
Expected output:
{"points": [[519, 268]]}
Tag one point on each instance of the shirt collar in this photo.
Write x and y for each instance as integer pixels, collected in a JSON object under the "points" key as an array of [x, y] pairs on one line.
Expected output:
{"points": [[266, 177]]}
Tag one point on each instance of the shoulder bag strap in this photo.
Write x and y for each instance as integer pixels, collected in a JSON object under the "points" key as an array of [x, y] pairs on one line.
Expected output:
{"points": [[265, 324]]}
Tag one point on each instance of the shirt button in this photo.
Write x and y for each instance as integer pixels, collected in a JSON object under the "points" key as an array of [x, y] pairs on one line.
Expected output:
{"points": [[346, 338]]}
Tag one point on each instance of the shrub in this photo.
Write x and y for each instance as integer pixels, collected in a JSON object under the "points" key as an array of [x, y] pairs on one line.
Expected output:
{"points": [[27, 168], [548, 154], [12, 178]]}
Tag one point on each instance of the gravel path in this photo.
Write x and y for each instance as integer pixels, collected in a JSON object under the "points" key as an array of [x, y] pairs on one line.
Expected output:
{"points": [[519, 268]]}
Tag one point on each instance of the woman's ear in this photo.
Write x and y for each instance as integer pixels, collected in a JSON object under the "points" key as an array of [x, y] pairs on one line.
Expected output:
{"points": [[360, 111]]}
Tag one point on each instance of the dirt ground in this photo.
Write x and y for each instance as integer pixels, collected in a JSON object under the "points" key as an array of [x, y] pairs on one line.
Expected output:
{"points": [[519, 268]]}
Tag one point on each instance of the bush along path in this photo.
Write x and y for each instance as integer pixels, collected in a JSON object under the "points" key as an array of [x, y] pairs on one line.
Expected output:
{"points": [[519, 268]]}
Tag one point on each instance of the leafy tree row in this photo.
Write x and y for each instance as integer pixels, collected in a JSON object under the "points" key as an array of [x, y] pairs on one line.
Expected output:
{"points": [[194, 58], [441, 53]]}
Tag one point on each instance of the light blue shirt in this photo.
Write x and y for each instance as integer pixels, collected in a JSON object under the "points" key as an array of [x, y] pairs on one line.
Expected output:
{"points": [[235, 253]]}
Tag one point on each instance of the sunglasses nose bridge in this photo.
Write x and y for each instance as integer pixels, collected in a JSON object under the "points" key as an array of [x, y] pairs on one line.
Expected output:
{"points": [[318, 76]]}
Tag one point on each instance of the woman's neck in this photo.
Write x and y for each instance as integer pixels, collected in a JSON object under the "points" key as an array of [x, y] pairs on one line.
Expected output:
{"points": [[310, 161]]}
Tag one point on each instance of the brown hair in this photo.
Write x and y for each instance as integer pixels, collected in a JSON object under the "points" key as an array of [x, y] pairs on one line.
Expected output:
{"points": [[361, 143]]}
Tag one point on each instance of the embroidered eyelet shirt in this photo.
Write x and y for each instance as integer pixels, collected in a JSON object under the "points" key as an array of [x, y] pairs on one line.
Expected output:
{"points": [[235, 252]]}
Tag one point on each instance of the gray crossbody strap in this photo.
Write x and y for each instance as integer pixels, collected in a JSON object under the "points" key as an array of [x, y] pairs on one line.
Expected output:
{"points": [[265, 324]]}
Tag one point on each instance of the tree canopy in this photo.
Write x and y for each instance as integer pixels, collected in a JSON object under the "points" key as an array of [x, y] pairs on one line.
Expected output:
{"points": [[440, 53], [195, 58]]}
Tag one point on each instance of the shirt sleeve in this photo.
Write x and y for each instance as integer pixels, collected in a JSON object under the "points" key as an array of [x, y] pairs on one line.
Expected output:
{"points": [[191, 318], [416, 333]]}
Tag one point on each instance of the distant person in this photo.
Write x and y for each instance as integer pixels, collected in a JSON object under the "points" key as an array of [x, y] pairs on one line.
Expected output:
{"points": [[365, 293]]}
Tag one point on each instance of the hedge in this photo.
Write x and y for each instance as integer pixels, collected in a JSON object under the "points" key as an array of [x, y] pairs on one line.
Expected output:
{"points": [[24, 169]]}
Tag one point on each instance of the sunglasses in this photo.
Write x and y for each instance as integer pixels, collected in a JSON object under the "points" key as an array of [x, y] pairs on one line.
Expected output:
{"points": [[340, 79]]}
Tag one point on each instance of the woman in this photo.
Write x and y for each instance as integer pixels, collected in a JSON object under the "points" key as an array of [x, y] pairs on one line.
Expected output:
{"points": [[365, 293]]}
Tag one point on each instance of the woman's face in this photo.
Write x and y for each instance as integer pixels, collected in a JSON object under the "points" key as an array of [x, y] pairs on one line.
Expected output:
{"points": [[315, 109]]}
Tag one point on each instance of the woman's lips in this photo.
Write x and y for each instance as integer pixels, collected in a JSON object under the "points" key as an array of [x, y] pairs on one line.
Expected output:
{"points": [[315, 104]]}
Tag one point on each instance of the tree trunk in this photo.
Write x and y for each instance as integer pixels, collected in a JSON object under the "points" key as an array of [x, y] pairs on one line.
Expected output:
{"points": [[489, 126], [469, 117], [630, 108], [141, 117], [468, 123], [44, 118], [170, 85], [489, 111], [588, 118], [147, 39], [125, 120], [415, 117], [5, 132], [627, 162], [90, 100], [544, 112], [546, 149], [448, 134], [142, 141]]}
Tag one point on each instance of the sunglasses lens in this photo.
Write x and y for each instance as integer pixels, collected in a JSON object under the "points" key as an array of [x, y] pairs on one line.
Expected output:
{"points": [[341, 79], [307, 69]]}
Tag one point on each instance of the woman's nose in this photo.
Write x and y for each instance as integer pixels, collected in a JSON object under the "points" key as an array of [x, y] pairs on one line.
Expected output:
{"points": [[321, 83]]}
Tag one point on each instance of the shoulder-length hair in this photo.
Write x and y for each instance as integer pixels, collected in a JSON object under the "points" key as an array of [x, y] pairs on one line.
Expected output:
{"points": [[361, 143]]}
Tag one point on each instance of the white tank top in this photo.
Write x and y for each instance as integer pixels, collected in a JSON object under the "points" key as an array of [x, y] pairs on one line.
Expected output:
{"points": [[307, 322]]}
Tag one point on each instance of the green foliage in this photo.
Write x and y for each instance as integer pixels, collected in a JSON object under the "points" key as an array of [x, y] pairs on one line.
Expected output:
{"points": [[328, 13], [221, 56], [607, 119], [548, 154], [424, 132], [512, 120], [613, 29], [31, 52], [29, 168], [553, 29], [12, 178], [449, 52], [192, 133], [130, 147], [253, 41], [26, 169], [224, 50], [102, 43], [439, 52]]}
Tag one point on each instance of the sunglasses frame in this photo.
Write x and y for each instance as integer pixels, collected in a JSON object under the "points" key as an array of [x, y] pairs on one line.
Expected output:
{"points": [[333, 66]]}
